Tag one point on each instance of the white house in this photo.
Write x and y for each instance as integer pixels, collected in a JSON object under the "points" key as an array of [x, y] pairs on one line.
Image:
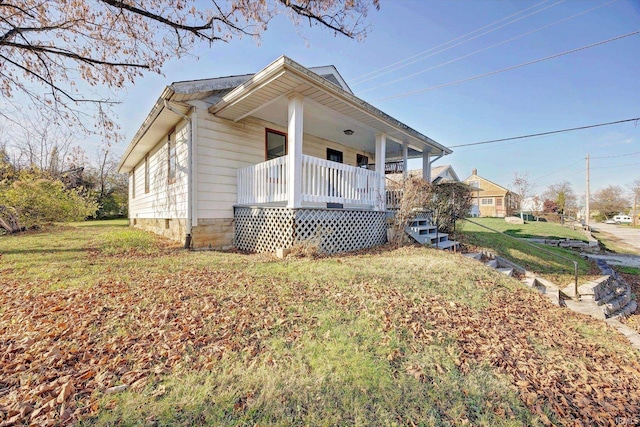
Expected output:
{"points": [[263, 160]]}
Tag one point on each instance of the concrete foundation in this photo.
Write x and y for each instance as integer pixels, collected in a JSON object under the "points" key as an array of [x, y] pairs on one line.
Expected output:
{"points": [[209, 233]]}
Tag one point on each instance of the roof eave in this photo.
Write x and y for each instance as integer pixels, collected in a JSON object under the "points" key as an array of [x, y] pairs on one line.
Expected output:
{"points": [[284, 64], [157, 108]]}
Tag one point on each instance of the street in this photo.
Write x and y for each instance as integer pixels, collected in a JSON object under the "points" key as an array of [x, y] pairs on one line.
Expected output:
{"points": [[630, 236]]}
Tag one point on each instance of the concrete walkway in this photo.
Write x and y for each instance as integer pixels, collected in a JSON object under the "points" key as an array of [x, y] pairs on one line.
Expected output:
{"points": [[625, 260]]}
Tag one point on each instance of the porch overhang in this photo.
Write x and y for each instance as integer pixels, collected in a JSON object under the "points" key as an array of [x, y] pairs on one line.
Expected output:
{"points": [[283, 77]]}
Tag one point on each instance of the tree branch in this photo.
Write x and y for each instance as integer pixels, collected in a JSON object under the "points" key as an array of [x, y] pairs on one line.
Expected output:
{"points": [[58, 51], [194, 29]]}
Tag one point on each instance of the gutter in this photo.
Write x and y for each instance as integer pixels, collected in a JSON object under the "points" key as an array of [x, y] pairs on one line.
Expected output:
{"points": [[188, 236], [148, 121]]}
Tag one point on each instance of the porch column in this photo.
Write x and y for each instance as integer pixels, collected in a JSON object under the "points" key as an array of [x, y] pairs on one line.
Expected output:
{"points": [[381, 148], [426, 165], [294, 151], [405, 159]]}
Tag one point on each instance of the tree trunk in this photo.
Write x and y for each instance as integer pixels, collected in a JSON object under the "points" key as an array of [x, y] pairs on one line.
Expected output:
{"points": [[9, 220]]}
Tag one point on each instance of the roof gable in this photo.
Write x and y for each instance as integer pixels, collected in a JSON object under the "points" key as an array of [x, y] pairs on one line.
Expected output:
{"points": [[487, 186]]}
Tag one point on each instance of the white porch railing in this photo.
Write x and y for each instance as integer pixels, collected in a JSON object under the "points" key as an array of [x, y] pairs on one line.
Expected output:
{"points": [[263, 183], [323, 181]]}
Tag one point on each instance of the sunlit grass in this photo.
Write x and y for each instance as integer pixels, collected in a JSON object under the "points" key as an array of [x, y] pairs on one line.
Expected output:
{"points": [[553, 263], [333, 344], [127, 241]]}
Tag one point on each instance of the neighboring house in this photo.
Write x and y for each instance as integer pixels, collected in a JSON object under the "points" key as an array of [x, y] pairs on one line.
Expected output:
{"points": [[438, 174], [443, 173], [490, 198], [533, 205], [262, 161]]}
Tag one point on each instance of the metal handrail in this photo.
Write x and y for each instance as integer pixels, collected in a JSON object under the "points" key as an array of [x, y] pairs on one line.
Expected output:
{"points": [[575, 263]]}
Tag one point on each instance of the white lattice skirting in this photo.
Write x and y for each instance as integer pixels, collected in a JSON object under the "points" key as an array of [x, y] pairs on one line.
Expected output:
{"points": [[266, 229]]}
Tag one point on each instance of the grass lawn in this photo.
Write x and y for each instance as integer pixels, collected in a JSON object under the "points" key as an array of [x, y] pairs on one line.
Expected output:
{"points": [[104, 325], [553, 267]]}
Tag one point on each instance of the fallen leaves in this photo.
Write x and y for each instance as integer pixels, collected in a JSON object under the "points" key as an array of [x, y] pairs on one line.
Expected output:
{"points": [[60, 350], [555, 370]]}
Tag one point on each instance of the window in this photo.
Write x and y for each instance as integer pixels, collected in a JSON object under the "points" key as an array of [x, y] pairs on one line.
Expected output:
{"points": [[146, 173], [275, 144], [133, 183], [171, 157], [487, 202], [474, 184], [362, 161]]}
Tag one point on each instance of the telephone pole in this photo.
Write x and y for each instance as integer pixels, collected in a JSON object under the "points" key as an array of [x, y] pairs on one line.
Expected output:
{"points": [[587, 197]]}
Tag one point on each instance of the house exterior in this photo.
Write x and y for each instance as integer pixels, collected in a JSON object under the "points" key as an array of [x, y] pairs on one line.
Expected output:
{"points": [[262, 161], [438, 174], [491, 199]]}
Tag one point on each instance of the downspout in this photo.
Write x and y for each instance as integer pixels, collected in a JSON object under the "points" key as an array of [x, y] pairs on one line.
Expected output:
{"points": [[187, 239]]}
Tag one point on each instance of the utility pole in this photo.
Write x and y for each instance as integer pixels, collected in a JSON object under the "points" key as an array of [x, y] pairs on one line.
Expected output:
{"points": [[587, 197], [635, 207]]}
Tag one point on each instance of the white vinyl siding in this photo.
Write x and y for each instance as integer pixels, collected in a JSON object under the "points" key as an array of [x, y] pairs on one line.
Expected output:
{"points": [[164, 200], [225, 146]]}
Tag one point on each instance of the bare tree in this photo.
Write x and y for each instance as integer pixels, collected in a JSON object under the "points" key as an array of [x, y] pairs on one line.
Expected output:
{"points": [[562, 194], [521, 186], [72, 49], [44, 146], [635, 194], [610, 201]]}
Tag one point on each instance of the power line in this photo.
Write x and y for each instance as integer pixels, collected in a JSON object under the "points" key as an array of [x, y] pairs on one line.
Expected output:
{"points": [[481, 50], [633, 33], [618, 155], [556, 171], [545, 133], [615, 166], [359, 80]]}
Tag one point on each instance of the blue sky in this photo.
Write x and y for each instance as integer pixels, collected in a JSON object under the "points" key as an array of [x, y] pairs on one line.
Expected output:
{"points": [[595, 85]]}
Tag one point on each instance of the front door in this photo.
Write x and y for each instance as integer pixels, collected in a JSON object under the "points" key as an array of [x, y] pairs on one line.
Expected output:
{"points": [[334, 156]]}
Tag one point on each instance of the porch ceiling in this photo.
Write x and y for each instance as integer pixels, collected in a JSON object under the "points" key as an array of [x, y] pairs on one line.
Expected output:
{"points": [[328, 110]]}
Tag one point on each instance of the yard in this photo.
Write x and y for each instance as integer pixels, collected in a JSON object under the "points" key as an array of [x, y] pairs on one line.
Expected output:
{"points": [[557, 266], [103, 325]]}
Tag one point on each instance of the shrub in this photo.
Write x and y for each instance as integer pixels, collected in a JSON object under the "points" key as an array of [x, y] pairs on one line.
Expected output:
{"points": [[443, 203], [32, 201]]}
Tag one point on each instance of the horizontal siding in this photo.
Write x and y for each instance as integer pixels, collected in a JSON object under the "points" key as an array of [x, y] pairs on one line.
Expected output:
{"points": [[225, 146], [164, 199]]}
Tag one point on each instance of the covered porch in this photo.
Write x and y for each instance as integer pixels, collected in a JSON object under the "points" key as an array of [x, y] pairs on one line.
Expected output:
{"points": [[317, 117]]}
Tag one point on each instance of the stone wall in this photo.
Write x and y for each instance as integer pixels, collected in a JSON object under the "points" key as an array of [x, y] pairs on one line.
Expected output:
{"points": [[210, 233], [213, 233], [174, 229]]}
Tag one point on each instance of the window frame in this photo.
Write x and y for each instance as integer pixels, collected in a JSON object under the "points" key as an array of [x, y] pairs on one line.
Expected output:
{"points": [[146, 173], [489, 199], [133, 183], [362, 161], [267, 131]]}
